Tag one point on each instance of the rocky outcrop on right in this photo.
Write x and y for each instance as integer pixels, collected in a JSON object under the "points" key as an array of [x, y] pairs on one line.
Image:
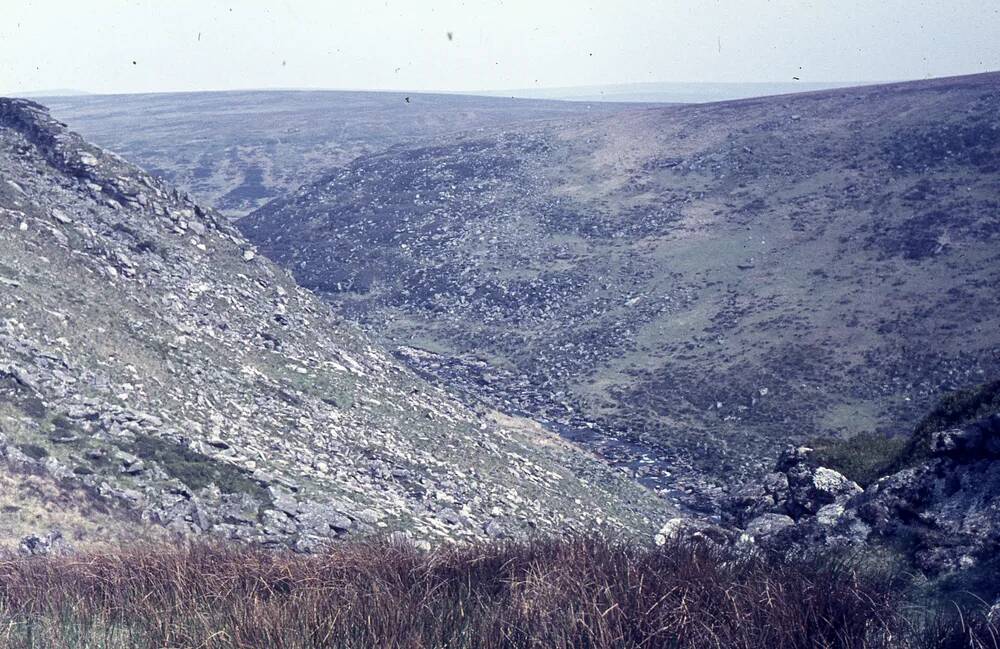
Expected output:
{"points": [[942, 512]]}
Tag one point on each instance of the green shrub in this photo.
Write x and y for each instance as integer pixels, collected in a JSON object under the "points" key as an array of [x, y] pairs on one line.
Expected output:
{"points": [[194, 469], [864, 458], [34, 451], [955, 409]]}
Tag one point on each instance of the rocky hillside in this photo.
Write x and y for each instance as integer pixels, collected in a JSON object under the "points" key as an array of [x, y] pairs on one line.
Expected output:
{"points": [[156, 373], [238, 150], [936, 511], [943, 512], [713, 279]]}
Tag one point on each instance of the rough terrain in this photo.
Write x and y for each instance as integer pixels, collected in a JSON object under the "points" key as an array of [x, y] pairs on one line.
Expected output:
{"points": [[704, 282], [156, 372]]}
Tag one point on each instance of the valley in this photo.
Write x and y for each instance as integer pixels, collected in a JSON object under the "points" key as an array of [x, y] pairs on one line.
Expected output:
{"points": [[159, 378], [710, 281], [238, 150]]}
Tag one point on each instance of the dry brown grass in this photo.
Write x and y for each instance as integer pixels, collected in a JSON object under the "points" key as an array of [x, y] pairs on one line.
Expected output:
{"points": [[552, 594]]}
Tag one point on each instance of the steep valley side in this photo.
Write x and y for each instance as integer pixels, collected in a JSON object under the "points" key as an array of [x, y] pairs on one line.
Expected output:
{"points": [[158, 377]]}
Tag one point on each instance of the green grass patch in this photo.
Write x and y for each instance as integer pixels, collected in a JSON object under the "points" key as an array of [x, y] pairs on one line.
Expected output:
{"points": [[863, 458], [194, 469], [955, 409]]}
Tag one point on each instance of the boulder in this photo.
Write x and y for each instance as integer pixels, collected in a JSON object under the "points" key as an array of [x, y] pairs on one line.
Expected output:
{"points": [[767, 525], [696, 530], [35, 545], [811, 488]]}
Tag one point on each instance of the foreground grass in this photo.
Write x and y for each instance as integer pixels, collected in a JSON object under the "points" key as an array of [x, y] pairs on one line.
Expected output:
{"points": [[548, 594]]}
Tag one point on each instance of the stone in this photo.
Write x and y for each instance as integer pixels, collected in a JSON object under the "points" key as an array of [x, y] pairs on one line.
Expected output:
{"points": [[60, 216], [130, 464], [768, 525], [449, 516], [35, 545], [829, 515], [832, 486], [495, 529], [812, 488]]}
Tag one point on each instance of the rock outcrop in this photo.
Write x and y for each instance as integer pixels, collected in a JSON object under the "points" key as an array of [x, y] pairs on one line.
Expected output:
{"points": [[943, 512]]}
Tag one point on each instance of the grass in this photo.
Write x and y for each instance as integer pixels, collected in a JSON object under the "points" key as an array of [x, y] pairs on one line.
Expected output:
{"points": [[554, 594], [866, 457], [194, 469]]}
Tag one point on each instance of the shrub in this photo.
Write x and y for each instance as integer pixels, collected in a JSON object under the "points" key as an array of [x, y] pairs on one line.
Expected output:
{"points": [[34, 451], [194, 469], [955, 409], [864, 458]]}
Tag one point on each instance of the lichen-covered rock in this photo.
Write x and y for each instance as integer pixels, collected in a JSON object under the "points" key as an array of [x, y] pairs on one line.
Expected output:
{"points": [[40, 545], [767, 525]]}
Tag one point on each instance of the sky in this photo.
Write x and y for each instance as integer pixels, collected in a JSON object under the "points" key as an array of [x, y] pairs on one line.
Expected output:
{"points": [[115, 46]]}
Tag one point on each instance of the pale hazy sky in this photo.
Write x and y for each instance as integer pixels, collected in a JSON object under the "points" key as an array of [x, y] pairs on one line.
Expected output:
{"points": [[137, 46]]}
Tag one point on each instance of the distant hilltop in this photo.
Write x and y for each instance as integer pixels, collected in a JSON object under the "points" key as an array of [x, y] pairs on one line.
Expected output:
{"points": [[669, 92], [54, 92]]}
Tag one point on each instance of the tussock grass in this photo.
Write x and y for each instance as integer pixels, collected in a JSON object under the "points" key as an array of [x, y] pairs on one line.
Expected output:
{"points": [[588, 593]]}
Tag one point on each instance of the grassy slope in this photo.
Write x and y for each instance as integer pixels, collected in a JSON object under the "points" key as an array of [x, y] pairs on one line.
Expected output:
{"points": [[237, 150], [720, 278]]}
